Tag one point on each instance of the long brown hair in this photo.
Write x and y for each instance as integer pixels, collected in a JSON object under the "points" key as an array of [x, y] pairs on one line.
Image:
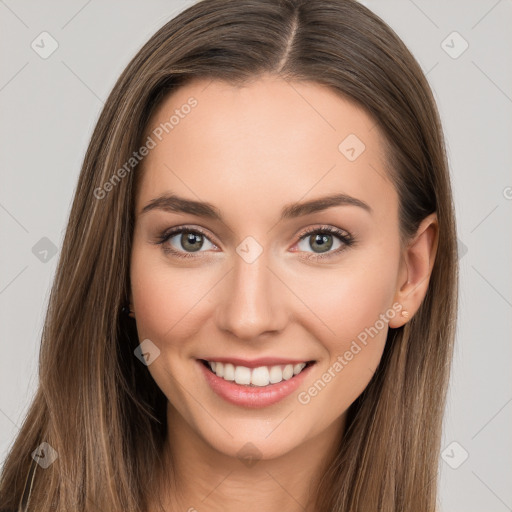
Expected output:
{"points": [[99, 408]]}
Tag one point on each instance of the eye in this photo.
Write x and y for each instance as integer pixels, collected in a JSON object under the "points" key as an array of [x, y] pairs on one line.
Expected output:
{"points": [[324, 238], [183, 242]]}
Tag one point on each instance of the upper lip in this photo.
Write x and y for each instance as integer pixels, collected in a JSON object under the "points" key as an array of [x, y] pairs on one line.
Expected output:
{"points": [[255, 363]]}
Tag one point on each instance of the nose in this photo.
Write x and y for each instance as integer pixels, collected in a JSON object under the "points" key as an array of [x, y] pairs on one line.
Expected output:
{"points": [[253, 301]]}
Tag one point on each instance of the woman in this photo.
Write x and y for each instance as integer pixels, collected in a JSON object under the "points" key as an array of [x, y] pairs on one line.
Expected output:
{"points": [[256, 297]]}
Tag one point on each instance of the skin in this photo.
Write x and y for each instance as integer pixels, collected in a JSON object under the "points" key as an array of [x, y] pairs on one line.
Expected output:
{"points": [[250, 151]]}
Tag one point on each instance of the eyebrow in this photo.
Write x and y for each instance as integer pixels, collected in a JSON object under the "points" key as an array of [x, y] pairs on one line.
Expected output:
{"points": [[175, 203]]}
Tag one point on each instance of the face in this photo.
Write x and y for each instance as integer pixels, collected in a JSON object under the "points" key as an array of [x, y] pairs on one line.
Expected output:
{"points": [[253, 282]]}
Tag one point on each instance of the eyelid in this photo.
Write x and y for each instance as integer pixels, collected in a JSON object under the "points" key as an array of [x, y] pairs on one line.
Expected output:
{"points": [[324, 228]]}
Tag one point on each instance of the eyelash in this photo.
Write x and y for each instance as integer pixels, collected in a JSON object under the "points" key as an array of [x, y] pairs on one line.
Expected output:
{"points": [[345, 237]]}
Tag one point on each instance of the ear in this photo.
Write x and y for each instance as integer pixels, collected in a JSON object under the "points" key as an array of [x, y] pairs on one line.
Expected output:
{"points": [[416, 265]]}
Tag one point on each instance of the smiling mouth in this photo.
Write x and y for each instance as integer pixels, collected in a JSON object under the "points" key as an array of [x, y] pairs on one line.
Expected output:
{"points": [[261, 376]]}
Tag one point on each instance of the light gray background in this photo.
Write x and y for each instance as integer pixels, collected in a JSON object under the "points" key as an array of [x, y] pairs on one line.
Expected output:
{"points": [[48, 110]]}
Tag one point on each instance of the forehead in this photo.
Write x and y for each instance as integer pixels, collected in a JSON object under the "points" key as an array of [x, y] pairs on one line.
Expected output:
{"points": [[262, 145]]}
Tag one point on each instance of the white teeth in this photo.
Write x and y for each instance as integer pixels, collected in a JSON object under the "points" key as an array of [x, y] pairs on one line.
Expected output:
{"points": [[261, 376], [242, 375], [229, 371], [288, 372], [297, 368], [276, 374]]}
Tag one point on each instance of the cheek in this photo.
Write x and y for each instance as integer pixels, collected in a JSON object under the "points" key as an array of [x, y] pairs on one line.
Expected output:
{"points": [[354, 305], [348, 300], [166, 300], [357, 315]]}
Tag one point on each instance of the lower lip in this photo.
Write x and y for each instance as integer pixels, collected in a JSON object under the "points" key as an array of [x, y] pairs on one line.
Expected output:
{"points": [[249, 396]]}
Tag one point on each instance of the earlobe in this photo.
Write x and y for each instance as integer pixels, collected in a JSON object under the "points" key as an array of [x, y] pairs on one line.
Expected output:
{"points": [[418, 262]]}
